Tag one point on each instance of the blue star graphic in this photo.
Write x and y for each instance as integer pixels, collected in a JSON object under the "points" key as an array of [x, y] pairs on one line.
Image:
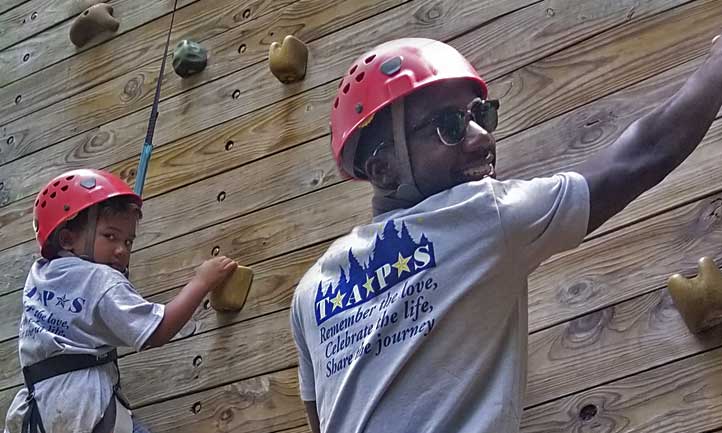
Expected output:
{"points": [[61, 301]]}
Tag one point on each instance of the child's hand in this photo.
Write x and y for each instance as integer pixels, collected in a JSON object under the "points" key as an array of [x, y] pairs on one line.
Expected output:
{"points": [[214, 272]]}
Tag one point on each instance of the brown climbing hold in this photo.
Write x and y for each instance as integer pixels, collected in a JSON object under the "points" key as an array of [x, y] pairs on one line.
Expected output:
{"points": [[95, 20], [288, 60], [233, 293], [699, 299]]}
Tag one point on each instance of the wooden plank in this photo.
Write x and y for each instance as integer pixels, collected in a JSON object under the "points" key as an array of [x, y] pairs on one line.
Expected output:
{"points": [[212, 104], [108, 103], [53, 45], [253, 136], [683, 396], [615, 342], [555, 145], [88, 68], [625, 263], [208, 360], [311, 19], [104, 144], [255, 237], [258, 405], [690, 179], [7, 5], [15, 264], [33, 17], [271, 292], [620, 57]]}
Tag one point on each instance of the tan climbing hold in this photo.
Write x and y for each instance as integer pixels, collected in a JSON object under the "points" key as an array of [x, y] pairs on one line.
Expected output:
{"points": [[699, 299], [92, 22], [288, 60], [232, 295]]}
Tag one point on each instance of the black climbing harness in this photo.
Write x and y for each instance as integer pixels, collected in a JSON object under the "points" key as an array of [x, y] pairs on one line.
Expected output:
{"points": [[63, 364]]}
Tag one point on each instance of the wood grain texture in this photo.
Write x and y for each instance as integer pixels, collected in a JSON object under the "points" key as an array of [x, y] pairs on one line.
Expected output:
{"points": [[683, 396], [195, 157], [262, 404], [255, 87], [134, 91], [143, 45], [625, 263], [33, 17], [103, 146], [602, 346], [308, 20], [15, 264], [604, 63], [53, 45], [7, 5]]}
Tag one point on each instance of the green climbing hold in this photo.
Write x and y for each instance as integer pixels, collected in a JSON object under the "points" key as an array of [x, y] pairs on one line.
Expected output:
{"points": [[189, 58]]}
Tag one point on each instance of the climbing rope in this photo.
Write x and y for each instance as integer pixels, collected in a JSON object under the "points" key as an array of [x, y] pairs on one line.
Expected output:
{"points": [[148, 144]]}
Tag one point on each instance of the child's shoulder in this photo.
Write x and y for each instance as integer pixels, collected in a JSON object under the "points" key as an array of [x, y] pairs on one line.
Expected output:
{"points": [[77, 270]]}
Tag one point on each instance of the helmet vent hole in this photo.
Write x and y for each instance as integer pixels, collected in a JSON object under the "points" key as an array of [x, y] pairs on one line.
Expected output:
{"points": [[56, 183], [70, 177], [64, 188], [370, 59], [346, 88], [340, 84], [353, 69], [53, 194], [335, 104], [45, 192], [43, 204], [37, 202], [360, 76]]}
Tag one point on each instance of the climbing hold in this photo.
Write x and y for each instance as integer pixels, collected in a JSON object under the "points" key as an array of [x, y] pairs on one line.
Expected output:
{"points": [[95, 20], [189, 58], [288, 60], [232, 294], [699, 299]]}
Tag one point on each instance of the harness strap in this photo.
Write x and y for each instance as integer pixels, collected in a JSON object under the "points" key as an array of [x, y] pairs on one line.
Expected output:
{"points": [[55, 366]]}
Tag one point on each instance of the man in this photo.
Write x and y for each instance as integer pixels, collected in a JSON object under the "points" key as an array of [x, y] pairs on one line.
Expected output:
{"points": [[417, 322]]}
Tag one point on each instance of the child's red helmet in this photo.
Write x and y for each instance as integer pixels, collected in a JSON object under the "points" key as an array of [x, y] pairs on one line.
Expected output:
{"points": [[68, 194], [383, 75]]}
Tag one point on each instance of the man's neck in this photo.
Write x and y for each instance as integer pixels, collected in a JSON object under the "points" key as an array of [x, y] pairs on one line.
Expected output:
{"points": [[382, 204]]}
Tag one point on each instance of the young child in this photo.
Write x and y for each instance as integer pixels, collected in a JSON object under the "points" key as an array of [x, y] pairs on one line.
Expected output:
{"points": [[79, 307]]}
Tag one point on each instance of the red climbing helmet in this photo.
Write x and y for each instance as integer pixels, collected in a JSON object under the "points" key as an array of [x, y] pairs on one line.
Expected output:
{"points": [[68, 194], [384, 74]]}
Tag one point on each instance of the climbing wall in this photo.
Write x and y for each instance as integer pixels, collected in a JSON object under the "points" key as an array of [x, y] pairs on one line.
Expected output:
{"points": [[242, 168]]}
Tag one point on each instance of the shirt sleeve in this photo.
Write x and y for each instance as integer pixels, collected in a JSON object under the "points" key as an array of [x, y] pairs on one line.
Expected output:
{"points": [[306, 378], [543, 216], [127, 316]]}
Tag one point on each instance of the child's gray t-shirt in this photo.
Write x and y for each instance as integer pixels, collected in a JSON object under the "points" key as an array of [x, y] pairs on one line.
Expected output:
{"points": [[73, 306], [417, 322]]}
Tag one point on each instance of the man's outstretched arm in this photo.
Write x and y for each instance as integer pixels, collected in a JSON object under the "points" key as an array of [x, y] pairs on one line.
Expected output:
{"points": [[653, 146]]}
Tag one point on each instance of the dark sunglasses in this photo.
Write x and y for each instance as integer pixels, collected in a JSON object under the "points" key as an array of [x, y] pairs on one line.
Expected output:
{"points": [[451, 123]]}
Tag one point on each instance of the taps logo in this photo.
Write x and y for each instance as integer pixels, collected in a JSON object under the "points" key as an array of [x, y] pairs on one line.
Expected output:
{"points": [[395, 257]]}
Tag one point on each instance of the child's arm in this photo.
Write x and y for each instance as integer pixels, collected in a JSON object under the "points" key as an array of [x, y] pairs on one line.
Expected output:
{"points": [[178, 312]]}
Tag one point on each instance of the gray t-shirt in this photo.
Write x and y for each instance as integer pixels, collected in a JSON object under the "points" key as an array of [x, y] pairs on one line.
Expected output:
{"points": [[417, 322], [72, 306]]}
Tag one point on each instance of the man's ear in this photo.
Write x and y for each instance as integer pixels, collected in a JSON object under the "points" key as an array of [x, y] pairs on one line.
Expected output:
{"points": [[381, 171], [66, 239]]}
